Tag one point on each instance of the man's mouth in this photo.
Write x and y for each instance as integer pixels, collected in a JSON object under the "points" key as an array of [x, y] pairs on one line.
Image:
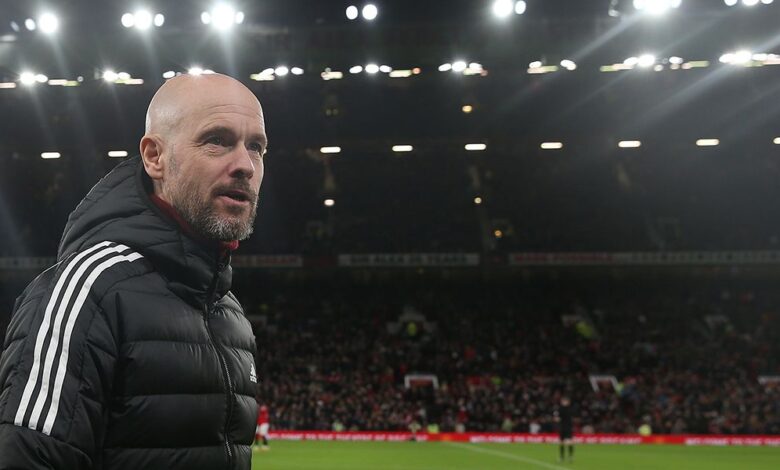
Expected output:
{"points": [[236, 195]]}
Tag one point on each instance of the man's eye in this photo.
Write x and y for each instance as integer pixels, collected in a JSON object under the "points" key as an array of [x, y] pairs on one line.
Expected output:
{"points": [[215, 140], [256, 147]]}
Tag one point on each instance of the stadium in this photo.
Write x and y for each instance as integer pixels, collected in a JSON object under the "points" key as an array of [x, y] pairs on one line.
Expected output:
{"points": [[480, 219]]}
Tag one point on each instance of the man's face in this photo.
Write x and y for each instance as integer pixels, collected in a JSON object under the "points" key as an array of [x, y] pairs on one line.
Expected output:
{"points": [[215, 165]]}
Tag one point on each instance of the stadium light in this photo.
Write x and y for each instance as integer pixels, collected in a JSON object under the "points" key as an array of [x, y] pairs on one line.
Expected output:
{"points": [[730, 3], [520, 7], [110, 76], [656, 7], [475, 147], [356, 69], [707, 142], [159, 19], [477, 200], [352, 12], [459, 66], [552, 145], [48, 23], [330, 150], [629, 144], [222, 17], [50, 155], [370, 12], [646, 60], [329, 202], [467, 109], [143, 19], [776, 141], [402, 148], [750, 3], [372, 68], [502, 8], [498, 233], [169, 74], [281, 71], [7, 85], [296, 71], [117, 153], [568, 64], [29, 23], [27, 78], [445, 67]]}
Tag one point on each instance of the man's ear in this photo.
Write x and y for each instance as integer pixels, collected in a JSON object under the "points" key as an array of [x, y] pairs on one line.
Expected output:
{"points": [[151, 153]]}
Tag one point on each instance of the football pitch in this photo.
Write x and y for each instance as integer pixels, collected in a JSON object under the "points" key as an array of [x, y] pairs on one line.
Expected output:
{"points": [[449, 455]]}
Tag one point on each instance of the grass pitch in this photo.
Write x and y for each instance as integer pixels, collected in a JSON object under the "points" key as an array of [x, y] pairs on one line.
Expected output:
{"points": [[313, 455]]}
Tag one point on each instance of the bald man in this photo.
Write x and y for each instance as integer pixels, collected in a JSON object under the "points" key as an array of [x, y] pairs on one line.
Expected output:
{"points": [[131, 352]]}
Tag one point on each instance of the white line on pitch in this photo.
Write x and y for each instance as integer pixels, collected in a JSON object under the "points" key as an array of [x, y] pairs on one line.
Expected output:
{"points": [[506, 455]]}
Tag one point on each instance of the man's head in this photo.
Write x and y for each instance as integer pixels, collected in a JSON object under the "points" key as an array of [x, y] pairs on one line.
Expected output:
{"points": [[203, 149]]}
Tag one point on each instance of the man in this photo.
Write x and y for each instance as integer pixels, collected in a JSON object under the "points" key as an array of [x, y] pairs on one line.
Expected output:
{"points": [[261, 433], [130, 352], [565, 429]]}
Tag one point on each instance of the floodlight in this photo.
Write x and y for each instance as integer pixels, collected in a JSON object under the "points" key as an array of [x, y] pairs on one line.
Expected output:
{"points": [[370, 12], [352, 12], [502, 8], [48, 23]]}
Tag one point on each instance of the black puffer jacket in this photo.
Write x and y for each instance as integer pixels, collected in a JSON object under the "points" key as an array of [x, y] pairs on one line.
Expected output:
{"points": [[130, 352]]}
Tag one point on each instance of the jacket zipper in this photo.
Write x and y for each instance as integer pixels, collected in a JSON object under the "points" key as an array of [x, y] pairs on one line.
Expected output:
{"points": [[208, 310]]}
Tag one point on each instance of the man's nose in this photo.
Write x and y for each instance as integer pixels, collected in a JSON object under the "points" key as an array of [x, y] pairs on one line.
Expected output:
{"points": [[242, 165]]}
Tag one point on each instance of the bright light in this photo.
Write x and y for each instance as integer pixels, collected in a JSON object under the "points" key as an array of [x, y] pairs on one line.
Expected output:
{"points": [[296, 71], [402, 148], [281, 71], [29, 23], [48, 23], [535, 64], [329, 202], [41, 78], [475, 147], [445, 67], [742, 57], [370, 12], [352, 12], [7, 85], [675, 60], [50, 155], [159, 19], [372, 68], [110, 76], [169, 74], [749, 3], [467, 108], [730, 3], [385, 69], [356, 69], [128, 20], [498, 233], [767, 2], [27, 78], [117, 153], [143, 19], [520, 7], [629, 144], [327, 150], [568, 64], [656, 7], [502, 8], [222, 17], [707, 142], [776, 141], [459, 66], [477, 200], [552, 145], [329, 74], [646, 60], [195, 71]]}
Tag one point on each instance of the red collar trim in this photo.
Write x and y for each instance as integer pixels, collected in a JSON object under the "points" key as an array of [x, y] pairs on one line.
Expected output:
{"points": [[171, 212]]}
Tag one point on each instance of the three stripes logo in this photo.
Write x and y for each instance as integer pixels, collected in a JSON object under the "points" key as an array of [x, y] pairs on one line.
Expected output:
{"points": [[42, 392]]}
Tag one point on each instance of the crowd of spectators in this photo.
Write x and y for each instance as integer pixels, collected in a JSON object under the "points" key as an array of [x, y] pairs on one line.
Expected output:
{"points": [[682, 364]]}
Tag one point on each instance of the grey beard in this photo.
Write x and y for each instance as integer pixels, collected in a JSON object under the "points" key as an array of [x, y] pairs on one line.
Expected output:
{"points": [[201, 217]]}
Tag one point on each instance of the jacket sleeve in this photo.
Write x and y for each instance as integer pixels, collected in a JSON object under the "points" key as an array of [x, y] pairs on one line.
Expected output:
{"points": [[56, 371]]}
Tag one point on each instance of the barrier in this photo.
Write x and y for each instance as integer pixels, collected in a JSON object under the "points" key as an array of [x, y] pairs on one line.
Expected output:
{"points": [[506, 438]]}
